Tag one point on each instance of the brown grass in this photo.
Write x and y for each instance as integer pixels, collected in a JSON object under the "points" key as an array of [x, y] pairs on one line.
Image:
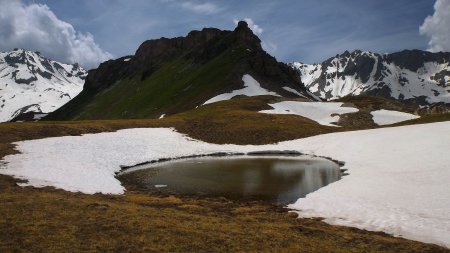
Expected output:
{"points": [[51, 220]]}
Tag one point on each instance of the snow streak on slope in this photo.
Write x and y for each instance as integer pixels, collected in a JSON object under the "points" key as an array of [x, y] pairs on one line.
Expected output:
{"points": [[324, 113], [397, 183], [387, 117], [417, 76], [251, 88], [31, 83]]}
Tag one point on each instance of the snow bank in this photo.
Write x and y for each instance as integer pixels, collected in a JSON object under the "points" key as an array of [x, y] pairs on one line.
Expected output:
{"points": [[386, 117], [397, 183], [251, 88], [324, 113]]}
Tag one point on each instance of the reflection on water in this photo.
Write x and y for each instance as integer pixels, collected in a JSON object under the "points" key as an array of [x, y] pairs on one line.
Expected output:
{"points": [[276, 179]]}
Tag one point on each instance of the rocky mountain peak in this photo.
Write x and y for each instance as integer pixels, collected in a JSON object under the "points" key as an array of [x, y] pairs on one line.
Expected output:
{"points": [[170, 75], [245, 35]]}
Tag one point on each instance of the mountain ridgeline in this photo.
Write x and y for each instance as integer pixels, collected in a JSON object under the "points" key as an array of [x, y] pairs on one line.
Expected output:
{"points": [[411, 76], [167, 76]]}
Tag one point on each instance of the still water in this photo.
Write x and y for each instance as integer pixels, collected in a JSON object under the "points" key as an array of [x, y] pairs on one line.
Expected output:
{"points": [[279, 180]]}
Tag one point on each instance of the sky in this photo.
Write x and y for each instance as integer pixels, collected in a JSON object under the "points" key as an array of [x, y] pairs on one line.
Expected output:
{"points": [[310, 31]]}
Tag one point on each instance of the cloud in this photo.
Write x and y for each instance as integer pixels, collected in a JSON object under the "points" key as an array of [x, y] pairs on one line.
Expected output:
{"points": [[35, 27], [436, 27], [204, 8], [255, 28]]}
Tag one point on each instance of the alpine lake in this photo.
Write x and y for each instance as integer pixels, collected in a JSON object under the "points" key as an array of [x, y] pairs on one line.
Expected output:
{"points": [[278, 179]]}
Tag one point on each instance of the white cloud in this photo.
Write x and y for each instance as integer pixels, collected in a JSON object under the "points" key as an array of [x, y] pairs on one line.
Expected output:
{"points": [[204, 8], [436, 27], [35, 27], [255, 28]]}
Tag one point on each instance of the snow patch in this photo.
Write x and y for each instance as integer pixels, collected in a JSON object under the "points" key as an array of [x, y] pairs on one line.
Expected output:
{"points": [[386, 117], [251, 88], [39, 116], [324, 113]]}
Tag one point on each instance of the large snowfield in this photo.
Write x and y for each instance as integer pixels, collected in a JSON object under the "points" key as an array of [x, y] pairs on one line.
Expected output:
{"points": [[398, 178]]}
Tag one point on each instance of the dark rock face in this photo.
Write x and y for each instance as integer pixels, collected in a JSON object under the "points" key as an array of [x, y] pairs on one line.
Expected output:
{"points": [[414, 59], [244, 35], [440, 78], [13, 60], [106, 74], [23, 80], [152, 52], [355, 63]]}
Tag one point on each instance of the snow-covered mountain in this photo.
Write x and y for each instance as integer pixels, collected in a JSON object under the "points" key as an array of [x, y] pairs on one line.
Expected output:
{"points": [[34, 85], [412, 76]]}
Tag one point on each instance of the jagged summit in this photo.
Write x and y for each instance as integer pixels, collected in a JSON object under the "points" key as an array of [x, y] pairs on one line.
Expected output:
{"points": [[32, 84], [245, 35], [170, 75]]}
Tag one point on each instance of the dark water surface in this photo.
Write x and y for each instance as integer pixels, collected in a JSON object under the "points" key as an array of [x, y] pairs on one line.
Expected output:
{"points": [[279, 180]]}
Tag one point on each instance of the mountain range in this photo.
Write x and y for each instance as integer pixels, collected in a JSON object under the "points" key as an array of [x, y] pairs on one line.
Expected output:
{"points": [[32, 86], [412, 76], [171, 75]]}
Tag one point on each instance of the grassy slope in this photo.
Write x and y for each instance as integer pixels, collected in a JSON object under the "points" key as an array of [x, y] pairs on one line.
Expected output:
{"points": [[54, 220], [175, 86]]}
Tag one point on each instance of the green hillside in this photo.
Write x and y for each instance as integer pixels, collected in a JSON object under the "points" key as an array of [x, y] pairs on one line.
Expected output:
{"points": [[168, 76], [176, 86]]}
